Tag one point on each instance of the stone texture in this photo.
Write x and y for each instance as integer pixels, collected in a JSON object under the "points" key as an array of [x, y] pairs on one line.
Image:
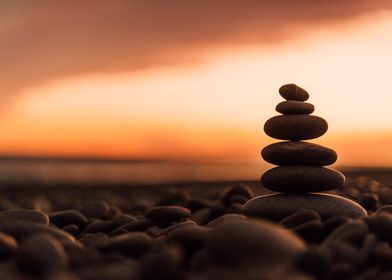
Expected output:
{"points": [[298, 153], [292, 107], [301, 179], [293, 92], [278, 206], [295, 127]]}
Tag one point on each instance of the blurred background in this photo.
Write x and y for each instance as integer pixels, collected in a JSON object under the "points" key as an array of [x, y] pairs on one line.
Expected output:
{"points": [[160, 91]]}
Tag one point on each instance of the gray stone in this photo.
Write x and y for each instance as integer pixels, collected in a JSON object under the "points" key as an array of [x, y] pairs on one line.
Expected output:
{"points": [[293, 92], [302, 178], [298, 153], [293, 107], [295, 127], [275, 207]]}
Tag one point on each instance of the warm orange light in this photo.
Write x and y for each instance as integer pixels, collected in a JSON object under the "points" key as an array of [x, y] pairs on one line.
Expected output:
{"points": [[216, 110]]}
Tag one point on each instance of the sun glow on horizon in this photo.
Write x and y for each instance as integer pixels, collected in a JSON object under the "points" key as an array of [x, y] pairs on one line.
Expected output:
{"points": [[215, 109]]}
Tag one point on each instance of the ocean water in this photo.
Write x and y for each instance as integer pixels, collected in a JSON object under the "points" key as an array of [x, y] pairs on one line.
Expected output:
{"points": [[85, 172]]}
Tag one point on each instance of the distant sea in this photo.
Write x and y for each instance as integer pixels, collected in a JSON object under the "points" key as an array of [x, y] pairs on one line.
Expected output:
{"points": [[55, 171], [85, 172]]}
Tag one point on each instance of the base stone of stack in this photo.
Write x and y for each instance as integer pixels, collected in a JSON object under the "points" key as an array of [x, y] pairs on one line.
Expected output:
{"points": [[275, 207]]}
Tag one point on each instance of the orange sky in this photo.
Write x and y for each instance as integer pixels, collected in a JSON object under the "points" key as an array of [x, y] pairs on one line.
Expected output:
{"points": [[200, 93]]}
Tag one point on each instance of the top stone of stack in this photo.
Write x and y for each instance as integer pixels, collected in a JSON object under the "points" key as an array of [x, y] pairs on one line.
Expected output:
{"points": [[293, 92]]}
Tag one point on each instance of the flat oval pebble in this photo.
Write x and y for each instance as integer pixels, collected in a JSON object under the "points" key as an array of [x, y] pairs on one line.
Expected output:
{"points": [[275, 207], [302, 178], [293, 92], [67, 217], [295, 127], [21, 230], [292, 107], [131, 244], [24, 215], [41, 252], [300, 218], [168, 213], [298, 153], [95, 209]]}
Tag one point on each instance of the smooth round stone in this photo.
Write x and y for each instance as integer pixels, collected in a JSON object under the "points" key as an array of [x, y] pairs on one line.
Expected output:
{"points": [[246, 242], [292, 107], [40, 253], [295, 127], [293, 92], [298, 153], [275, 207], [301, 179], [24, 215]]}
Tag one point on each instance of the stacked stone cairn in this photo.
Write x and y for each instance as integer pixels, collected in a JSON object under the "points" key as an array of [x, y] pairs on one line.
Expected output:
{"points": [[300, 174]]}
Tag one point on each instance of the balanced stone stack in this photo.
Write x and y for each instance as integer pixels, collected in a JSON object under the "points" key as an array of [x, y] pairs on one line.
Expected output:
{"points": [[300, 174]]}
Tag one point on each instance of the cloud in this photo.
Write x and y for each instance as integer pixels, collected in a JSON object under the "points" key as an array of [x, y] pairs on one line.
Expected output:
{"points": [[44, 39]]}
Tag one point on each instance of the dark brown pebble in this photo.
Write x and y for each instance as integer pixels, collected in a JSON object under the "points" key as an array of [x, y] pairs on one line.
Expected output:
{"points": [[41, 253], [352, 232], [369, 201], [298, 153], [24, 215], [139, 225], [235, 208], [190, 239], [333, 223], [384, 209], [95, 209], [176, 227], [98, 226], [295, 127], [22, 230], [90, 239], [225, 218], [72, 229], [278, 206], [293, 92], [175, 198], [196, 204], [381, 226], [167, 214], [237, 190], [293, 107], [202, 216], [302, 178], [312, 231], [154, 231], [313, 262], [8, 246], [122, 219], [238, 242], [117, 231], [67, 217], [131, 244], [300, 217]]}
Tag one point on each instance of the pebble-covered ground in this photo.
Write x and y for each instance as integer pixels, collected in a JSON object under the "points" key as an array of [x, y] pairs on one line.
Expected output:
{"points": [[187, 232]]}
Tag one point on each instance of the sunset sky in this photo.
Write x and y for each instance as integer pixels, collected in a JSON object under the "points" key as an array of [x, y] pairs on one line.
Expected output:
{"points": [[191, 80]]}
